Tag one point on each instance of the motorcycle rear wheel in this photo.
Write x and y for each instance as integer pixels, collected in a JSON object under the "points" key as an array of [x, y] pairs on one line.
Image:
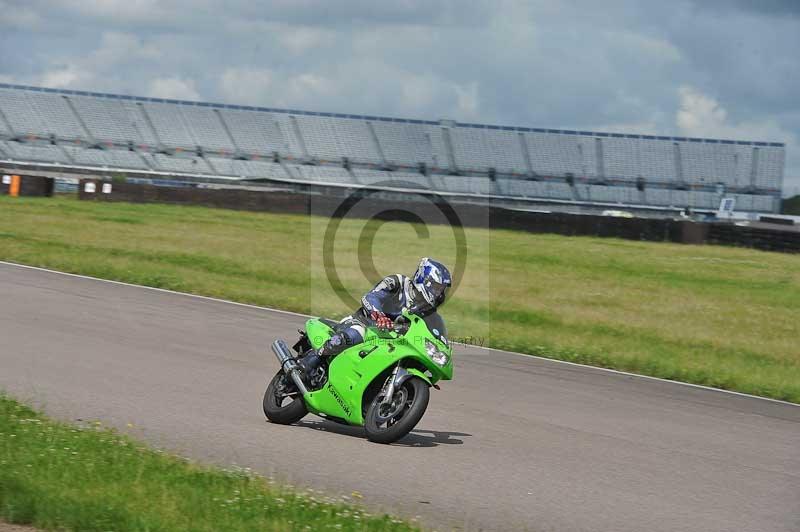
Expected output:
{"points": [[387, 423], [275, 406]]}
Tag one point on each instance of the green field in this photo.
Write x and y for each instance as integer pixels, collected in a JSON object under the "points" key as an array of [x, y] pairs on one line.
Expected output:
{"points": [[61, 477], [718, 316]]}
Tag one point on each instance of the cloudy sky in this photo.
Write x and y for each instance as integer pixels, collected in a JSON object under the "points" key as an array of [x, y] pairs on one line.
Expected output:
{"points": [[713, 68]]}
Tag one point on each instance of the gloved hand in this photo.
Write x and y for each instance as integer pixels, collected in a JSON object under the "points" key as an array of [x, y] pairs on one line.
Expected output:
{"points": [[382, 321]]}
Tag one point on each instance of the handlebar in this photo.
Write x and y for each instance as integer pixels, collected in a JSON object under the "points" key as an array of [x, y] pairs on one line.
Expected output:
{"points": [[401, 324]]}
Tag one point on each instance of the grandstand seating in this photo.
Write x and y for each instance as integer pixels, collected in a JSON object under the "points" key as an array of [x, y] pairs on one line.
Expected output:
{"points": [[391, 179], [765, 203], [656, 196], [264, 169], [206, 128], [556, 155], [328, 174], [743, 165], [402, 142], [698, 167], [622, 159], [119, 121], [19, 114], [770, 167], [602, 194], [41, 153], [478, 149], [249, 169], [110, 158], [333, 139], [439, 157], [535, 189], [468, 184], [420, 180], [54, 114], [256, 133], [680, 198], [194, 165], [661, 157], [167, 120], [68, 127]]}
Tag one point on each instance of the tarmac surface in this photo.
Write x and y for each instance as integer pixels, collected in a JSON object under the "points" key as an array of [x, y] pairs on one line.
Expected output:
{"points": [[513, 443]]}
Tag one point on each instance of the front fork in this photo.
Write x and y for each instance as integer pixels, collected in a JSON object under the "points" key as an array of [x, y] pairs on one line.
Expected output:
{"points": [[399, 374]]}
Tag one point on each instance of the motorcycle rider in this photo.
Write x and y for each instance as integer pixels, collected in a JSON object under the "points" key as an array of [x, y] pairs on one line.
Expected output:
{"points": [[419, 295]]}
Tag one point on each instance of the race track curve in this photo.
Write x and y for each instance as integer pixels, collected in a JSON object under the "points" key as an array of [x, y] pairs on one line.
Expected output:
{"points": [[513, 443]]}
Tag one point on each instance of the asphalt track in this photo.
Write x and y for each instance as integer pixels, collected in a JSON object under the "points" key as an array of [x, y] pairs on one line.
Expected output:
{"points": [[513, 443]]}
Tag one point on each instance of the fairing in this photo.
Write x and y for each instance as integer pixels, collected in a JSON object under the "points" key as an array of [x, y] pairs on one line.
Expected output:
{"points": [[353, 370]]}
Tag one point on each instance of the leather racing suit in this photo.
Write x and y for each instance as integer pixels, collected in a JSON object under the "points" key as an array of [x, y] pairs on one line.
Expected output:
{"points": [[391, 296]]}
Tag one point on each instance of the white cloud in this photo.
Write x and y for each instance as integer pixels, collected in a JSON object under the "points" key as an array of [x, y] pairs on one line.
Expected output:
{"points": [[18, 16], [305, 90], [107, 67], [173, 88], [61, 78], [119, 47], [298, 40], [253, 86], [700, 115], [119, 10], [467, 100], [309, 84], [246, 85], [646, 46], [316, 91]]}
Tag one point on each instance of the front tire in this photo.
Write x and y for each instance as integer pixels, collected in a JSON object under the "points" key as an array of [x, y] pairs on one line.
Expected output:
{"points": [[282, 403], [386, 423]]}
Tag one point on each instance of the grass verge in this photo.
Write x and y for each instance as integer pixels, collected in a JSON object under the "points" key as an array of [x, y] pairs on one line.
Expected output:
{"points": [[58, 476], [717, 316]]}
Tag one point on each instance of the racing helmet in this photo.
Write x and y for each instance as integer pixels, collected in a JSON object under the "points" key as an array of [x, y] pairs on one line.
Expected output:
{"points": [[432, 279]]}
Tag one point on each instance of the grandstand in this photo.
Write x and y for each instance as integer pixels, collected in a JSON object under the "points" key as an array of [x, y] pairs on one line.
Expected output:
{"points": [[74, 130]]}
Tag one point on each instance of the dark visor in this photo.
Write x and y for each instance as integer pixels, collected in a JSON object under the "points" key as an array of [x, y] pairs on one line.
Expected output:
{"points": [[436, 289]]}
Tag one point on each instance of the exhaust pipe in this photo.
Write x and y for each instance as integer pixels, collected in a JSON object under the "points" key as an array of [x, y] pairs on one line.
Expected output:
{"points": [[289, 365]]}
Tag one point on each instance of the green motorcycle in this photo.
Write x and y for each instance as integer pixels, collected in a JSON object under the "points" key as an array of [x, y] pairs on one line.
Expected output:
{"points": [[382, 384]]}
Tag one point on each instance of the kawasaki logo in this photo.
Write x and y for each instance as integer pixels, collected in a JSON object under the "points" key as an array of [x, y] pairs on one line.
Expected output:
{"points": [[339, 399]]}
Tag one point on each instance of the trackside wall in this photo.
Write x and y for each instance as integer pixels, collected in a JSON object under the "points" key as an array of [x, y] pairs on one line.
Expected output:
{"points": [[649, 229]]}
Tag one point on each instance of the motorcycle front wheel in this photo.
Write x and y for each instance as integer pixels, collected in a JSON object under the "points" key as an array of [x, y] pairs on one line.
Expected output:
{"points": [[282, 402], [386, 423]]}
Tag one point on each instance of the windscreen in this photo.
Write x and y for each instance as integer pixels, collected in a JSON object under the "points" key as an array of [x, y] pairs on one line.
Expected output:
{"points": [[436, 325]]}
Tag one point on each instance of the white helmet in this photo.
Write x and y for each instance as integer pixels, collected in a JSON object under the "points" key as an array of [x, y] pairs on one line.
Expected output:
{"points": [[432, 279]]}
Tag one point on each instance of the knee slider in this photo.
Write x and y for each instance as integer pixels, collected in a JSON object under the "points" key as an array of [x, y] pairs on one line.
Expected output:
{"points": [[352, 337], [335, 345]]}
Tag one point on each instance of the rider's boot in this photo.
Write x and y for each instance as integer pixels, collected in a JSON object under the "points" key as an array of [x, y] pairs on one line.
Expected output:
{"points": [[332, 347], [312, 361]]}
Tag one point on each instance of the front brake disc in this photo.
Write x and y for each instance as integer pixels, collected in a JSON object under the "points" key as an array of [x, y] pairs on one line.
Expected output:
{"points": [[394, 408]]}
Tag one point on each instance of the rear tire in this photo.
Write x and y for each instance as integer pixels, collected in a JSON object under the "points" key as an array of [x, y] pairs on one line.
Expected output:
{"points": [[414, 394], [275, 404]]}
